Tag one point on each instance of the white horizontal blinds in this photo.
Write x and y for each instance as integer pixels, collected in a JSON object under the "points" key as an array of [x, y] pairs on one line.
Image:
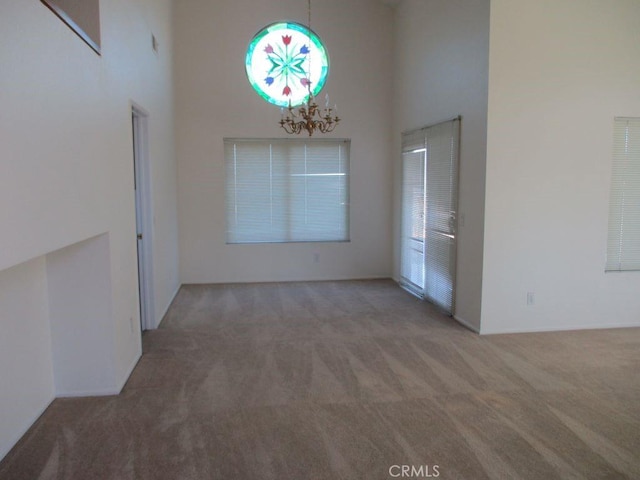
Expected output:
{"points": [[319, 193], [623, 246], [429, 206], [442, 142], [413, 209], [242, 195], [287, 190], [254, 176]]}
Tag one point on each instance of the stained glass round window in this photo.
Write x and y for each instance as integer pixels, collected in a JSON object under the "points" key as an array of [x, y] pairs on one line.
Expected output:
{"points": [[286, 60]]}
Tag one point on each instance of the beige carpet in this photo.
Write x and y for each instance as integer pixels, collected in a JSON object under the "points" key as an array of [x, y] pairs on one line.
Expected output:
{"points": [[347, 380]]}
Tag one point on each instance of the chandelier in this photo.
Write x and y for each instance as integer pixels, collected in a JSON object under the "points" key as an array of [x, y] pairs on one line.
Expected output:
{"points": [[308, 116]]}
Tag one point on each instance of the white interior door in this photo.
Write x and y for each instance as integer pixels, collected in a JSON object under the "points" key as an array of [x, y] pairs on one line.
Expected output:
{"points": [[144, 216]]}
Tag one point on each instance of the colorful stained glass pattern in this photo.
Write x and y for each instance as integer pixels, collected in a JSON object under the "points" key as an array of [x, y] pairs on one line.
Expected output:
{"points": [[284, 61]]}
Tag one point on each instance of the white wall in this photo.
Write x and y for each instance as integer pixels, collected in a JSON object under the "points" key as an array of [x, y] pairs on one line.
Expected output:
{"points": [[559, 73], [214, 100], [79, 293], [66, 167], [441, 71], [26, 375]]}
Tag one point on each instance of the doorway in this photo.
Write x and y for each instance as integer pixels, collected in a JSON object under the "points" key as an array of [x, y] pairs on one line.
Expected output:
{"points": [[144, 215], [429, 212]]}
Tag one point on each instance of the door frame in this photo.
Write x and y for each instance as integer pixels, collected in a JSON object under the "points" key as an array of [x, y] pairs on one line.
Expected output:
{"points": [[144, 215]]}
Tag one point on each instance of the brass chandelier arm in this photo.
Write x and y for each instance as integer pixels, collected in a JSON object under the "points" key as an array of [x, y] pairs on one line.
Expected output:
{"points": [[309, 118]]}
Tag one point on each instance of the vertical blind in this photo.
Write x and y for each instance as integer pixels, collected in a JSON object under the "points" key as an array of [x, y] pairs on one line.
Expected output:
{"points": [[430, 170], [286, 190], [623, 245]]}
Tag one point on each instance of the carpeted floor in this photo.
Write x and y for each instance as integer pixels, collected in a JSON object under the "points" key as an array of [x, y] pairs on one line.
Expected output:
{"points": [[347, 380]]}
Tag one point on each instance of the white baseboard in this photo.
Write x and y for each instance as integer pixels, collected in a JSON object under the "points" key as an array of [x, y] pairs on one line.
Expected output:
{"points": [[287, 280], [16, 438], [175, 292], [129, 372], [166, 308], [106, 392], [555, 328], [466, 324]]}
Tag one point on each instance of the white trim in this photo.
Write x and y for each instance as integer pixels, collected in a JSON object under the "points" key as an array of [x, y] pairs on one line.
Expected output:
{"points": [[466, 324], [106, 391], [144, 210], [129, 372], [292, 280], [139, 109], [22, 431], [567, 328], [158, 320]]}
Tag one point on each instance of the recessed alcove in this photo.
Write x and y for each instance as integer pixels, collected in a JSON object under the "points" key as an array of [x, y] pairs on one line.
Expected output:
{"points": [[82, 338], [56, 332]]}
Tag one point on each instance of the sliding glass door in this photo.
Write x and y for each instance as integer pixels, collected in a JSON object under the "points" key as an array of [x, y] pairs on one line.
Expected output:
{"points": [[429, 208]]}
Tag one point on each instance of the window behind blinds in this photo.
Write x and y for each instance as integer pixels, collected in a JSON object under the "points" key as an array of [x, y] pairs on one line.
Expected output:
{"points": [[623, 245], [287, 190]]}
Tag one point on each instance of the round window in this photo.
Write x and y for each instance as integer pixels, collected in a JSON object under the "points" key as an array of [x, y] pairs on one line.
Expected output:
{"points": [[285, 61]]}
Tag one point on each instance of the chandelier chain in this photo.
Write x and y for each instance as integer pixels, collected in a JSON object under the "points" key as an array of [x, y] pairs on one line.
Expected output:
{"points": [[309, 117]]}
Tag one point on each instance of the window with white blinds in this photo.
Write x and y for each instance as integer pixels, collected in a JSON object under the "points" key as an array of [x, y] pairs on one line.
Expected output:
{"points": [[287, 190], [623, 245]]}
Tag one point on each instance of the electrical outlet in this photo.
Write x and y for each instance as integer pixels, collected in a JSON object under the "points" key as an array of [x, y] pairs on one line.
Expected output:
{"points": [[316, 258], [131, 323], [531, 298]]}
